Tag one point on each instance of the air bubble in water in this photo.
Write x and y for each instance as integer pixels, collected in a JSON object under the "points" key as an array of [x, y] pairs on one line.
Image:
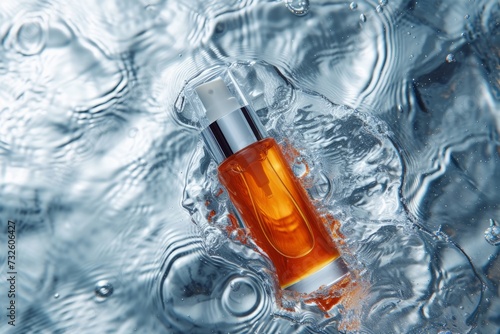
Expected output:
{"points": [[322, 187], [362, 17], [298, 7], [492, 233], [240, 297], [103, 289], [450, 58], [353, 5]]}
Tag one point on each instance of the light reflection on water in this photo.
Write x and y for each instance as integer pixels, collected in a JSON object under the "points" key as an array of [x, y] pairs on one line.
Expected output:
{"points": [[103, 172]]}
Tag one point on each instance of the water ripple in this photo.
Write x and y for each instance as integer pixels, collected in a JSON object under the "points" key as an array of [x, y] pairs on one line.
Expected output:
{"points": [[392, 110], [210, 294]]}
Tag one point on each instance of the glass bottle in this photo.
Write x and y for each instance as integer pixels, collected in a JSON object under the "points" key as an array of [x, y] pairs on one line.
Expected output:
{"points": [[272, 203]]}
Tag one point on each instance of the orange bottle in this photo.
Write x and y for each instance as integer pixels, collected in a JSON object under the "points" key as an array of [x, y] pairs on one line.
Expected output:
{"points": [[268, 197]]}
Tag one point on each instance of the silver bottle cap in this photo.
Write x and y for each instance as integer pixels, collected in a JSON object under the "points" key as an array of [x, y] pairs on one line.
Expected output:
{"points": [[231, 133], [232, 123]]}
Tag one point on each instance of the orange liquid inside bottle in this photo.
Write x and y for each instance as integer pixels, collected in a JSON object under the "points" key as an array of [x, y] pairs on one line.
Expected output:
{"points": [[277, 211]]}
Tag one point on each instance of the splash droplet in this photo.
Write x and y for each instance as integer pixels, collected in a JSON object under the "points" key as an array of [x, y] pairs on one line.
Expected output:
{"points": [[353, 5], [362, 18], [492, 233], [379, 9], [103, 289], [56, 295], [298, 7], [450, 58], [241, 297], [383, 2], [467, 16]]}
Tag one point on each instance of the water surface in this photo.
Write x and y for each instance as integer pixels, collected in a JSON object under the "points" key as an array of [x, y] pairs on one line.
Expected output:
{"points": [[392, 105]]}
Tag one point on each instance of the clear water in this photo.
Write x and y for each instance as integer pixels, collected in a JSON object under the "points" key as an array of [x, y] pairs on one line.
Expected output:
{"points": [[394, 107]]}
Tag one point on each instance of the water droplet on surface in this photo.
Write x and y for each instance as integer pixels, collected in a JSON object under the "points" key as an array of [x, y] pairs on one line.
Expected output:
{"points": [[31, 36], [322, 187], [450, 58], [383, 2], [220, 28], [240, 297], [492, 233], [353, 5], [56, 295], [298, 7], [362, 17], [299, 168], [103, 289], [132, 132]]}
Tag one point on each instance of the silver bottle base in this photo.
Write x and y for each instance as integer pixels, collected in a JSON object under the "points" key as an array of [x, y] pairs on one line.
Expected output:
{"points": [[328, 275]]}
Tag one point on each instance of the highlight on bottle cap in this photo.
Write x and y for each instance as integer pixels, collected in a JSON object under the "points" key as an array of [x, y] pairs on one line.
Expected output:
{"points": [[217, 99], [214, 95]]}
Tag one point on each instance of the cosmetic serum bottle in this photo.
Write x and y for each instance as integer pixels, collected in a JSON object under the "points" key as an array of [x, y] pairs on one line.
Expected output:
{"points": [[269, 199]]}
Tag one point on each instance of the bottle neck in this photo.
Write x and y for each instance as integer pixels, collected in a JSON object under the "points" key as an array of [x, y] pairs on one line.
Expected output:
{"points": [[232, 132]]}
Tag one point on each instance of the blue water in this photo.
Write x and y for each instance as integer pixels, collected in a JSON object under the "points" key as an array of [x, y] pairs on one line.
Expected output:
{"points": [[394, 107]]}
